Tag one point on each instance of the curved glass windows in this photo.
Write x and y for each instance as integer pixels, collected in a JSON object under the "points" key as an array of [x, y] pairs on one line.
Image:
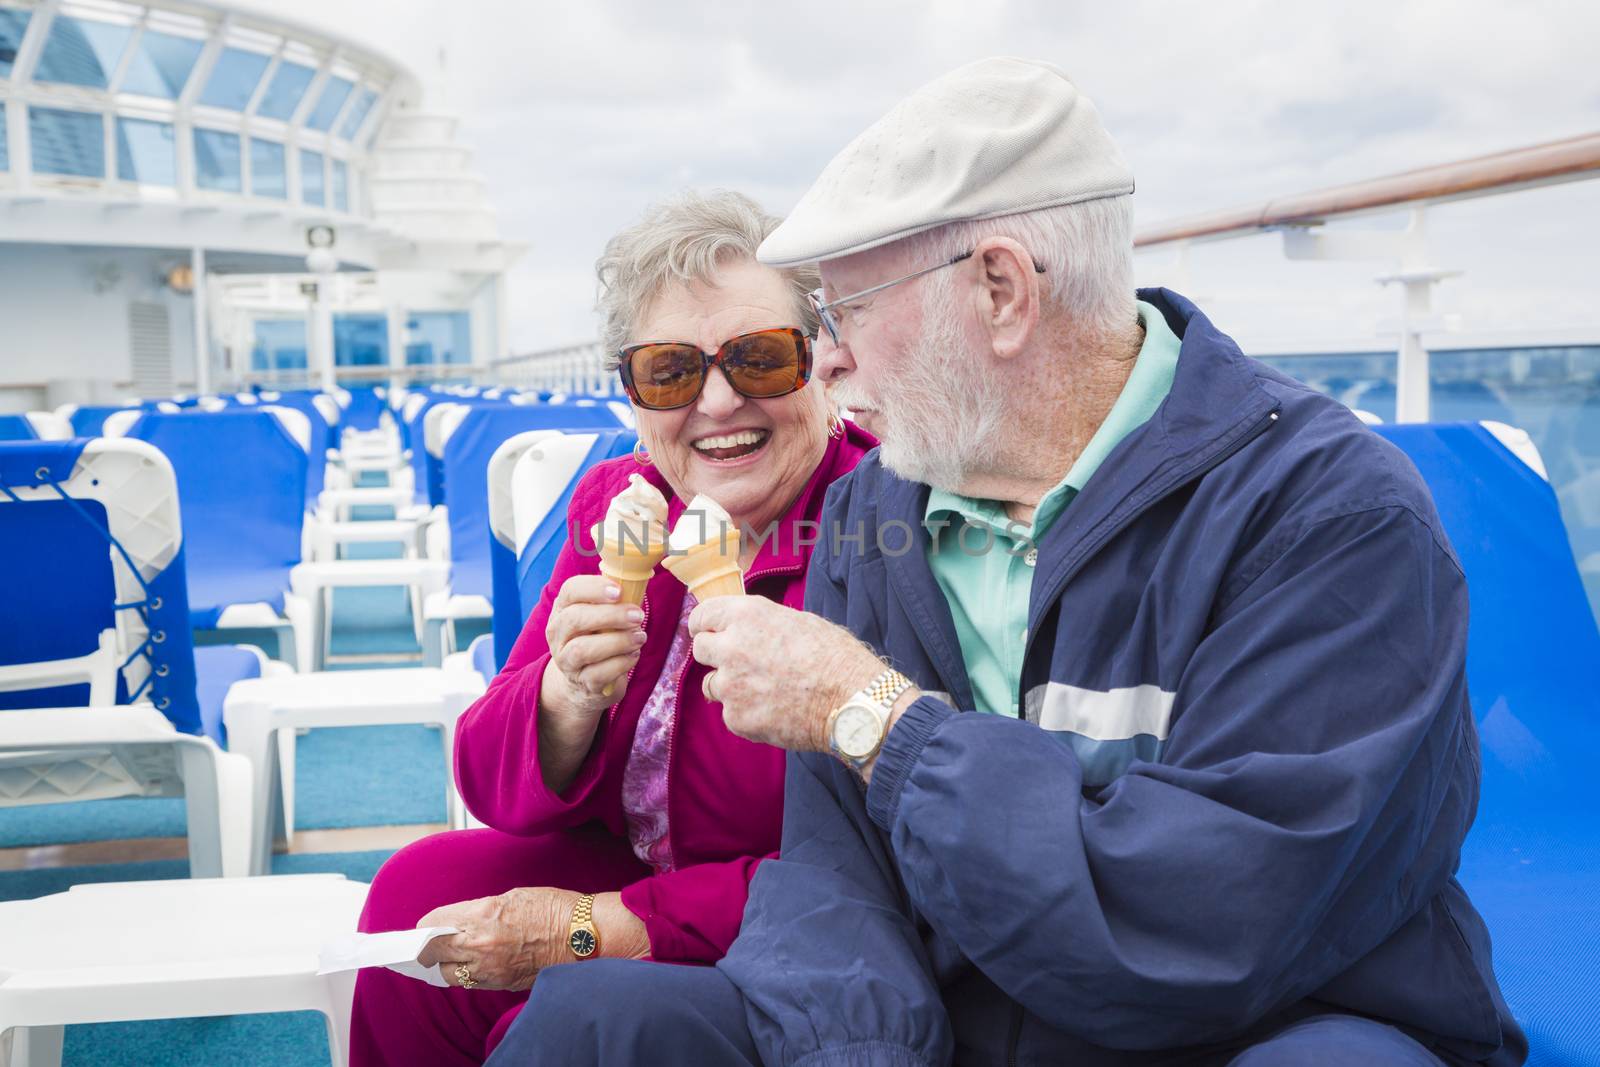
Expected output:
{"points": [[283, 95], [360, 340], [146, 152], [67, 142], [269, 173], [81, 52], [334, 94], [216, 161], [13, 24], [313, 186], [438, 337], [357, 114], [341, 186], [161, 65], [234, 79], [280, 344]]}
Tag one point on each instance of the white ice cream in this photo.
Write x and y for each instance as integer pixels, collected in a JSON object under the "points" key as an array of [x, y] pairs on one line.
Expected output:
{"points": [[636, 516], [703, 520]]}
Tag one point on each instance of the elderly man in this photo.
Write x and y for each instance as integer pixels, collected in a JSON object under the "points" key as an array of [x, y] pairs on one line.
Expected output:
{"points": [[1132, 724]]}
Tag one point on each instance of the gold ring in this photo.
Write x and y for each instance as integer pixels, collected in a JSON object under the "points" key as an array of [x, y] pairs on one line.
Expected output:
{"points": [[464, 976], [705, 686]]}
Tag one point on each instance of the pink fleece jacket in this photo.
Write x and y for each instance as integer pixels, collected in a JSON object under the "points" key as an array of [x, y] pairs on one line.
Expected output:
{"points": [[724, 794]]}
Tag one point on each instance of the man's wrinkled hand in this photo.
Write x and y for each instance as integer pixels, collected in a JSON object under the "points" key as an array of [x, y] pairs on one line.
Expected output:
{"points": [[777, 672]]}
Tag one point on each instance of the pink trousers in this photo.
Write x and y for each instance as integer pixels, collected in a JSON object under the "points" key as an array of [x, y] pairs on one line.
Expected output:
{"points": [[399, 1020]]}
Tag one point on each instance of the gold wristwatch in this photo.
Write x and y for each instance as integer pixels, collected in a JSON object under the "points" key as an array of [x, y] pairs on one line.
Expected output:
{"points": [[583, 938], [856, 728]]}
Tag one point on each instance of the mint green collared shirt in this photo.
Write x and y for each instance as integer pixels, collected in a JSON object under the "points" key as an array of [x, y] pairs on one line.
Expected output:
{"points": [[988, 591]]}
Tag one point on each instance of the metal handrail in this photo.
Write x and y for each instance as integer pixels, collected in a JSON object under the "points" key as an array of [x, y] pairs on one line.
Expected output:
{"points": [[1573, 159]]}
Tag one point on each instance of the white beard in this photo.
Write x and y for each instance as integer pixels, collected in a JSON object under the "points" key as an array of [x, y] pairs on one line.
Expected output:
{"points": [[941, 422]]}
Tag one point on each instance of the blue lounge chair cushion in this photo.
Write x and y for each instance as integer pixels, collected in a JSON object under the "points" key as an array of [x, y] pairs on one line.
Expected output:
{"points": [[241, 488], [1532, 860], [217, 667]]}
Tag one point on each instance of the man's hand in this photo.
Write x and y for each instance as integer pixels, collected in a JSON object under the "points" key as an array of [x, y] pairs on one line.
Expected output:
{"points": [[778, 672]]}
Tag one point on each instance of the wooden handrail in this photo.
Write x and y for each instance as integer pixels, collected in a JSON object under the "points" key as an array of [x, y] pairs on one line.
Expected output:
{"points": [[1573, 159]]}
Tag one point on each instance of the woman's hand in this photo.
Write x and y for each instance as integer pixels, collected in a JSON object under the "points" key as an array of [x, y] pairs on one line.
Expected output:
{"points": [[594, 642], [506, 940]]}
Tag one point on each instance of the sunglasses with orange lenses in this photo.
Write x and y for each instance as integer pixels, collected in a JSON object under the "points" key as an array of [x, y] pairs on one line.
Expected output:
{"points": [[662, 375]]}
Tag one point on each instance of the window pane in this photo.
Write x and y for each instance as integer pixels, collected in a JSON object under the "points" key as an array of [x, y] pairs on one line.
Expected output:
{"points": [[1363, 381], [280, 344], [268, 171], [67, 142], [1553, 394], [5, 154], [312, 185], [334, 94], [360, 340], [161, 65], [13, 24], [80, 52], [284, 93], [341, 186], [438, 337], [145, 152], [358, 114], [233, 79], [216, 160]]}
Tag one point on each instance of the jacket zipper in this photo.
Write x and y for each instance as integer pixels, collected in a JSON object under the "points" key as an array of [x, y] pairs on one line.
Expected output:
{"points": [[677, 704], [627, 679], [1182, 479], [1014, 1037]]}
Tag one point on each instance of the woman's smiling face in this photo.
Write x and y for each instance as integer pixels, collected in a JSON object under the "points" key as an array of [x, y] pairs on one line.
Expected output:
{"points": [[751, 456]]}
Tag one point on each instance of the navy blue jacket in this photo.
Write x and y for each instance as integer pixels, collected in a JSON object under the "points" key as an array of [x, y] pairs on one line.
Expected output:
{"points": [[1239, 795]]}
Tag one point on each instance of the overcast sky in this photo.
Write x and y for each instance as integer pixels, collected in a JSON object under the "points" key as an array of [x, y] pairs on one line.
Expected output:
{"points": [[583, 113]]}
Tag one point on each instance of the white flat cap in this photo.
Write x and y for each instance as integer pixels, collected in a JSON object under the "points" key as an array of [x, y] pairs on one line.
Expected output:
{"points": [[996, 137]]}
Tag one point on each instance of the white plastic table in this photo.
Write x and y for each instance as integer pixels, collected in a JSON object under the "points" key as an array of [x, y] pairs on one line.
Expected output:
{"points": [[127, 951], [258, 710]]}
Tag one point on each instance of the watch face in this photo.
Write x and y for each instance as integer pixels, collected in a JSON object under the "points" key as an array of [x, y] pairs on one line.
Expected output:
{"points": [[856, 731], [582, 942]]}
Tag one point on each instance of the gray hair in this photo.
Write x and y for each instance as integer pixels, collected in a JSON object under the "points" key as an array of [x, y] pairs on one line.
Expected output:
{"points": [[687, 238], [1086, 250]]}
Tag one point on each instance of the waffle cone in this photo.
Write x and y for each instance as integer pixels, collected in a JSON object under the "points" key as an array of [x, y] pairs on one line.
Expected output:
{"points": [[710, 568], [628, 564]]}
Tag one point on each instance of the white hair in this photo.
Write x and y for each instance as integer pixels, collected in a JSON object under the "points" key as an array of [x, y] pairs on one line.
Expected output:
{"points": [[688, 238], [1086, 251]]}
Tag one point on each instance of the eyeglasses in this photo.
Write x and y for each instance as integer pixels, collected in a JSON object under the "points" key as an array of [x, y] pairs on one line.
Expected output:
{"points": [[829, 317], [662, 375]]}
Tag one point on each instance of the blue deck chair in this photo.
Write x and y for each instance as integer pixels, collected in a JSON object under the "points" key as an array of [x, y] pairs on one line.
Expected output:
{"points": [[88, 419], [1532, 860], [469, 445], [241, 480], [95, 616], [428, 480], [523, 556], [17, 428], [364, 408], [323, 437]]}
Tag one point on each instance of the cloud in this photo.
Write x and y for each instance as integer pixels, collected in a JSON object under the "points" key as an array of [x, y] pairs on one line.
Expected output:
{"points": [[582, 114]]}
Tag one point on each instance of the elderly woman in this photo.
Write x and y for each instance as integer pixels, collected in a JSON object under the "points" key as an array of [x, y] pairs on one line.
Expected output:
{"points": [[627, 820]]}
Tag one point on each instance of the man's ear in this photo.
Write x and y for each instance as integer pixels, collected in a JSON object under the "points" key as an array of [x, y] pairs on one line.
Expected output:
{"points": [[1008, 294]]}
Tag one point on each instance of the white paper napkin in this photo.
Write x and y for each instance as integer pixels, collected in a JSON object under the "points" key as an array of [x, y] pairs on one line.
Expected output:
{"points": [[397, 950]]}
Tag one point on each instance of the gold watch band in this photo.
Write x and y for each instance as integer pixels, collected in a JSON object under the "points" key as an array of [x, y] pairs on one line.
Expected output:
{"points": [[886, 689], [583, 910]]}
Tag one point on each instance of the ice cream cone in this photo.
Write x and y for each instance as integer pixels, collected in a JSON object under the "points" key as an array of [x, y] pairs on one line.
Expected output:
{"points": [[629, 564], [710, 568]]}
